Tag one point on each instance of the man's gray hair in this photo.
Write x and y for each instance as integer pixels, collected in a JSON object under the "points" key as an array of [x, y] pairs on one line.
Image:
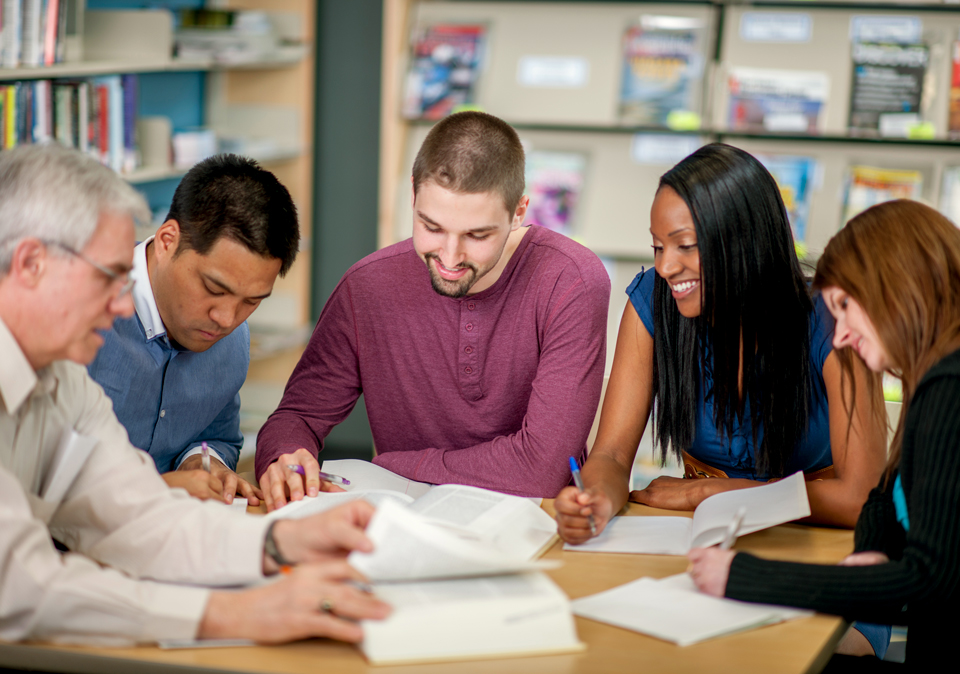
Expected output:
{"points": [[57, 195]]}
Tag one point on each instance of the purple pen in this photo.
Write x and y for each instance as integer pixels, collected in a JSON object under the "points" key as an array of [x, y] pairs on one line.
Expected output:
{"points": [[335, 479]]}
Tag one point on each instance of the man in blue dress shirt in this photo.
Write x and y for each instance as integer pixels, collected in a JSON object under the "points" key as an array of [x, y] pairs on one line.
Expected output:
{"points": [[174, 369]]}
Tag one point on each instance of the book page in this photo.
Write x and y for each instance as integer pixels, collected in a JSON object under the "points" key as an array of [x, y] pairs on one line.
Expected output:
{"points": [[366, 475], [767, 506], [641, 535], [673, 610], [311, 505], [408, 546], [513, 524]]}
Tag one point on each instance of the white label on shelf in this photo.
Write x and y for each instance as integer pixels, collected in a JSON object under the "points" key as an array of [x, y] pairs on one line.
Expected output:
{"points": [[775, 27], [897, 124], [654, 22], [897, 29], [662, 148], [559, 72]]}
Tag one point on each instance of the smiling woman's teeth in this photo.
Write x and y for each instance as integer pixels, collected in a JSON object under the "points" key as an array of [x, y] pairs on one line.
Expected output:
{"points": [[683, 287]]}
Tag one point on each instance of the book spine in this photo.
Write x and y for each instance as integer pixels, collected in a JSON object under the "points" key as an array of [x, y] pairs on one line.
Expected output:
{"points": [[129, 83], [61, 50], [10, 54], [3, 117], [103, 123], [115, 89], [10, 121], [50, 32], [83, 116], [30, 49]]}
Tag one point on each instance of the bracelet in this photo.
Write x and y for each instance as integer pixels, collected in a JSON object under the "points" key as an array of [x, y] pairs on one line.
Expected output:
{"points": [[270, 547]]}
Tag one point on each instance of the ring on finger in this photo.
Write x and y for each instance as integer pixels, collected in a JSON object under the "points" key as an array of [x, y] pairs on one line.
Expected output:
{"points": [[326, 605]]}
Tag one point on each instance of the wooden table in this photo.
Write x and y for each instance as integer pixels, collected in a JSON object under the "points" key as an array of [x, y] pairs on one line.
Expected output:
{"points": [[798, 646]]}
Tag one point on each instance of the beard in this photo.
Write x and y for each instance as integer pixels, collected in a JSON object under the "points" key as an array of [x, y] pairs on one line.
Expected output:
{"points": [[455, 289]]}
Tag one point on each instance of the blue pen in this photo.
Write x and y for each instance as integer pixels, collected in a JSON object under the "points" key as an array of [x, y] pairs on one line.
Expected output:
{"points": [[578, 481]]}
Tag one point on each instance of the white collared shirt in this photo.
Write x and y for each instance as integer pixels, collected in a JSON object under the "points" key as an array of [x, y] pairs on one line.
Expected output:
{"points": [[143, 298], [117, 512]]}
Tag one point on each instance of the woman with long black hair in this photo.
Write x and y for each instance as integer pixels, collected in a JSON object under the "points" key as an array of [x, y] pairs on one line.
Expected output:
{"points": [[724, 343]]}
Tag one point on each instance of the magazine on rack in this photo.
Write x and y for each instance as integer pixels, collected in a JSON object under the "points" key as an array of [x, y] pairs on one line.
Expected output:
{"points": [[887, 88], [661, 65], [953, 121], [554, 183], [443, 71], [784, 101], [795, 177], [869, 185]]}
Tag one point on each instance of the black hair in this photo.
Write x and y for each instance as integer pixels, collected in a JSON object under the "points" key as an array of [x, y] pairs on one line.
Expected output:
{"points": [[231, 196], [754, 299]]}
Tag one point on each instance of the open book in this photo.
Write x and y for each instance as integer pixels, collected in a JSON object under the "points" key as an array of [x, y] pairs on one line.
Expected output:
{"points": [[445, 531], [767, 506], [498, 616], [674, 610]]}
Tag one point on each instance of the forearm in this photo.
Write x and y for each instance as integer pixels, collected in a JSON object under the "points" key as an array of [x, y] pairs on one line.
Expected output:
{"points": [[834, 503], [607, 473]]}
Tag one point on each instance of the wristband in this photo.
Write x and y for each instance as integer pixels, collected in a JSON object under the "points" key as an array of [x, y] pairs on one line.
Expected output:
{"points": [[270, 547]]}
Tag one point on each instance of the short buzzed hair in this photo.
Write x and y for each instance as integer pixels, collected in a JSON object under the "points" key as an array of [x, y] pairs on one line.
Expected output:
{"points": [[471, 153]]}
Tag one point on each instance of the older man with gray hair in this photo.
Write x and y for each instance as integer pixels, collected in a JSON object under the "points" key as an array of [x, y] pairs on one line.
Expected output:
{"points": [[68, 470]]}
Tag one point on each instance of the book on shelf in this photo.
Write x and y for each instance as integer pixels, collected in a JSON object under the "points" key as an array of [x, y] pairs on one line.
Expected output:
{"points": [[950, 194], [674, 610], [95, 115], [779, 101], [766, 506], [554, 184], [444, 68], [867, 186], [662, 62], [953, 120], [32, 32], [887, 88], [795, 177]]}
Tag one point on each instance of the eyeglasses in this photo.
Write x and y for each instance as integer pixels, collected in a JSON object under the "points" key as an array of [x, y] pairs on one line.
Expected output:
{"points": [[114, 276]]}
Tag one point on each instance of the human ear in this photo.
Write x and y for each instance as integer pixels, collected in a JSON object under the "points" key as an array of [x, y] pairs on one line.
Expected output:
{"points": [[29, 262], [167, 238], [521, 213]]}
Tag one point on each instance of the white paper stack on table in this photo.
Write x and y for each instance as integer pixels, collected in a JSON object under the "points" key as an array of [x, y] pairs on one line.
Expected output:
{"points": [[767, 506], [673, 610], [457, 565]]}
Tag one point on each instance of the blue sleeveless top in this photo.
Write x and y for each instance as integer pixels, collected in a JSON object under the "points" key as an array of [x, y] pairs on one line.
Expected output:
{"points": [[735, 455]]}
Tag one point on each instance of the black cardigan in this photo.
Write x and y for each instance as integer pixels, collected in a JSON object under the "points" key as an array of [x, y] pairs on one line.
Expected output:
{"points": [[918, 587]]}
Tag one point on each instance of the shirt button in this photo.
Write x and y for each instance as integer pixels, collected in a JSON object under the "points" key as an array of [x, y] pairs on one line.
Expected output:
{"points": [[468, 369], [469, 327], [469, 349], [163, 413], [471, 306]]}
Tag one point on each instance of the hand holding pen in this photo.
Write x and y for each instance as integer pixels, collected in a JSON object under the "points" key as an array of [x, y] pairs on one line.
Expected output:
{"points": [[578, 481], [293, 476]]}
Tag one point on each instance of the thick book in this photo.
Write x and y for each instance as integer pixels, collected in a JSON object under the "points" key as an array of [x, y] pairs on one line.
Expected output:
{"points": [[674, 610], [467, 619], [766, 506]]}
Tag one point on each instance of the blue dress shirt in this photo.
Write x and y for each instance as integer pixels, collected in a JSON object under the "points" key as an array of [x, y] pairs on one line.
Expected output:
{"points": [[170, 399]]}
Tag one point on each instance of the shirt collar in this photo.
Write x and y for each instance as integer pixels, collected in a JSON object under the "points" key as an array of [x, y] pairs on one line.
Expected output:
{"points": [[17, 378], [143, 299]]}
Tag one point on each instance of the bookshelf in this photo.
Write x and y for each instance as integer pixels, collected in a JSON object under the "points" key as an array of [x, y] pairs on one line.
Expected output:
{"points": [[270, 101], [618, 183]]}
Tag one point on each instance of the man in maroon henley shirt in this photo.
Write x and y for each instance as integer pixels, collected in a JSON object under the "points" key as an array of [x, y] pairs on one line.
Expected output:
{"points": [[479, 344]]}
